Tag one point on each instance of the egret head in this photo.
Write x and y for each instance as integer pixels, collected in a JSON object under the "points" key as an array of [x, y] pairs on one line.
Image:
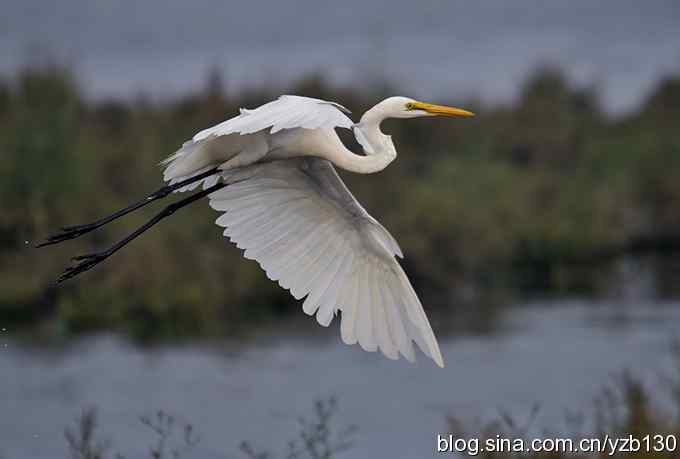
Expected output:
{"points": [[404, 107]]}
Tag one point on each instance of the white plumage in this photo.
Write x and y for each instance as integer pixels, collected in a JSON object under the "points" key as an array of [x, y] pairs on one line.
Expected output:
{"points": [[300, 223], [287, 112], [287, 208]]}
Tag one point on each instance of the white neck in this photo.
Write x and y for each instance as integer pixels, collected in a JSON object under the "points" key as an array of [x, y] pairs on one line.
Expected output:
{"points": [[378, 147]]}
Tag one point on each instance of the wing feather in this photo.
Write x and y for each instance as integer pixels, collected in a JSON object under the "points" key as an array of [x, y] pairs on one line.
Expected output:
{"points": [[286, 112], [380, 324], [365, 333], [324, 289], [299, 221], [330, 301], [300, 285], [248, 136], [327, 270], [349, 309], [399, 333]]}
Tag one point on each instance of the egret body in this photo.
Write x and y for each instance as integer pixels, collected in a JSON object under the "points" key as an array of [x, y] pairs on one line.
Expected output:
{"points": [[271, 172]]}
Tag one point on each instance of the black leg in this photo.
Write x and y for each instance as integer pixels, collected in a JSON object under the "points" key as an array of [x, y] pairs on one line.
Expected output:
{"points": [[86, 262], [72, 232]]}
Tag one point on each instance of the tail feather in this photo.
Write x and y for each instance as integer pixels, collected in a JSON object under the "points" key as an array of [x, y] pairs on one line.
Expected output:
{"points": [[196, 157]]}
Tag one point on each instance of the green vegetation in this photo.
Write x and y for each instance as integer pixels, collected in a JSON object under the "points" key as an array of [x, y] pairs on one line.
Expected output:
{"points": [[501, 203]]}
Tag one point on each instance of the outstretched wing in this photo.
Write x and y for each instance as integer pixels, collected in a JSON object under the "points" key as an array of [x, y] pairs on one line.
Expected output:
{"points": [[286, 112], [248, 135], [301, 223]]}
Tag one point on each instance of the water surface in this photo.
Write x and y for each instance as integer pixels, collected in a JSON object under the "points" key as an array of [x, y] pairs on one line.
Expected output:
{"points": [[446, 49], [559, 355]]}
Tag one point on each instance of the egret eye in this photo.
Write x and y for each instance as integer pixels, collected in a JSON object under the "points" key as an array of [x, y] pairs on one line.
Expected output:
{"points": [[410, 106]]}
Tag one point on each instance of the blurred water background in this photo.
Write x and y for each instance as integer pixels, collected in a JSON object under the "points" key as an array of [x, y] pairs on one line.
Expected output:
{"points": [[542, 236], [552, 355], [433, 48]]}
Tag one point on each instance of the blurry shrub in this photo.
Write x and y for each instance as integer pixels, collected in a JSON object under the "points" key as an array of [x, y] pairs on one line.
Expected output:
{"points": [[499, 202], [82, 438], [626, 408], [318, 437]]}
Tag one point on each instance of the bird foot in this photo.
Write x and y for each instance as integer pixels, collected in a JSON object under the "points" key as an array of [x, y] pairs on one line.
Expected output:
{"points": [[85, 262], [69, 232]]}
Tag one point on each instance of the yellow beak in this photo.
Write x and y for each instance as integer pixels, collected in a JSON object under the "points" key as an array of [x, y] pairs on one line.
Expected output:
{"points": [[441, 110]]}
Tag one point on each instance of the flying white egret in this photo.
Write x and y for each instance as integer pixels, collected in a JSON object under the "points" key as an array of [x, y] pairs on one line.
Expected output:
{"points": [[270, 170]]}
